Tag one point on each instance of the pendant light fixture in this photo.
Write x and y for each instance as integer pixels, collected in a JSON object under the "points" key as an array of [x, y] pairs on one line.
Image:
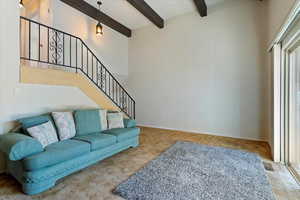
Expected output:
{"points": [[21, 4], [99, 27]]}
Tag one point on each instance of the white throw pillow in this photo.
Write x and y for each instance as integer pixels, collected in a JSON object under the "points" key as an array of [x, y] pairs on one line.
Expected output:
{"points": [[103, 119], [65, 124], [115, 120], [44, 133]]}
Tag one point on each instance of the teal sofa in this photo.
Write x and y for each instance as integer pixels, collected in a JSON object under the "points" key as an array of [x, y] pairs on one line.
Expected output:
{"points": [[38, 168]]}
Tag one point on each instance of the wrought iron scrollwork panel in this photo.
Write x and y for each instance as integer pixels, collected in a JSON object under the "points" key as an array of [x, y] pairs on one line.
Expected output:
{"points": [[123, 100], [101, 78], [56, 47]]}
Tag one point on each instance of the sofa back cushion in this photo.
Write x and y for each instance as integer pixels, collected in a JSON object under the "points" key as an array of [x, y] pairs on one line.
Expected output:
{"points": [[29, 122], [87, 121], [129, 123]]}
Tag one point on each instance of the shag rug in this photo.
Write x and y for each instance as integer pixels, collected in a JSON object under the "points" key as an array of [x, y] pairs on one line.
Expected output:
{"points": [[189, 171]]}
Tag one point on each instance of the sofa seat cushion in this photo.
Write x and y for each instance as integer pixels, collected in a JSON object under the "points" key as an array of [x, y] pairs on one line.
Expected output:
{"points": [[56, 153], [98, 140], [123, 133]]}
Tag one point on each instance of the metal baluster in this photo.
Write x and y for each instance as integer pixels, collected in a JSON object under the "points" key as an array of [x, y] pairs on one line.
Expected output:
{"points": [[109, 85], [127, 105], [97, 73], [39, 42], [92, 67], [29, 45], [131, 109], [132, 102], [120, 96], [117, 93], [87, 61], [70, 51], [134, 110], [123, 100], [82, 56], [63, 49], [105, 85], [101, 76], [56, 47], [76, 54], [128, 109], [118, 99], [48, 35], [113, 88]]}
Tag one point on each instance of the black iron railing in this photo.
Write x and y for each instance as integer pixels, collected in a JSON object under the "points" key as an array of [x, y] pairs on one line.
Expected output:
{"points": [[44, 44]]}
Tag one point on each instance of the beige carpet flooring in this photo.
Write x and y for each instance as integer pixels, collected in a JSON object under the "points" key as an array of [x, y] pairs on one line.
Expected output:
{"points": [[97, 181]]}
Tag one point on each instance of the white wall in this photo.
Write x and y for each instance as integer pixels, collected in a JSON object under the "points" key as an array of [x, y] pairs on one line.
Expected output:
{"points": [[204, 75], [9, 59], [9, 52]]}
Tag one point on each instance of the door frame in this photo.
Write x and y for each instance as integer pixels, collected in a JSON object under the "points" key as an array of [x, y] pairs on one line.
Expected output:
{"points": [[287, 99]]}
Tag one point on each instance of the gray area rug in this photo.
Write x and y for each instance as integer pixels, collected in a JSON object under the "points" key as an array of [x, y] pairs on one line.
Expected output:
{"points": [[188, 171]]}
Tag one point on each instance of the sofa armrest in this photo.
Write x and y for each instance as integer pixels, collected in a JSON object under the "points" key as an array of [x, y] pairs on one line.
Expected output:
{"points": [[129, 123], [18, 146]]}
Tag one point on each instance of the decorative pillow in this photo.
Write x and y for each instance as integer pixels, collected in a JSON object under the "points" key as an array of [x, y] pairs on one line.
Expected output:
{"points": [[65, 124], [44, 133], [115, 120], [87, 121], [29, 122], [103, 119]]}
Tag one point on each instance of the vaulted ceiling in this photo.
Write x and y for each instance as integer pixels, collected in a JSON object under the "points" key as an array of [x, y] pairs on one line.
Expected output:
{"points": [[129, 16], [125, 15]]}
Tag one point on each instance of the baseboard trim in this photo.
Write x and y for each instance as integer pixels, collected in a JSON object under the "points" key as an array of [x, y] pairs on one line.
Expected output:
{"points": [[203, 133]]}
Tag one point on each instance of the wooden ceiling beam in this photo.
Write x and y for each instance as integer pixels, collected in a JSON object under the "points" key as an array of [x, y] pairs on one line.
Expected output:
{"points": [[201, 6], [94, 13], [148, 12]]}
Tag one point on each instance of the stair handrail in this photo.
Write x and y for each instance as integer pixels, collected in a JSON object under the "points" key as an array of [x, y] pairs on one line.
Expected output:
{"points": [[119, 96]]}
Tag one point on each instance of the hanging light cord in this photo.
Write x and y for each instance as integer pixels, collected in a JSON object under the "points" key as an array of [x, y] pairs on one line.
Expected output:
{"points": [[99, 4]]}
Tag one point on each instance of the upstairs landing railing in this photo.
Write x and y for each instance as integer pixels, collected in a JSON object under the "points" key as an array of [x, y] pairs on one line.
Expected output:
{"points": [[44, 44]]}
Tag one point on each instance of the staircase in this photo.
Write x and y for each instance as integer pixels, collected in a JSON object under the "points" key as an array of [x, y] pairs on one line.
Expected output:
{"points": [[45, 45]]}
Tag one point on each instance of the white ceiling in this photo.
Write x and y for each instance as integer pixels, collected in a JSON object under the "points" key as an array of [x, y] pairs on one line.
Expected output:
{"points": [[127, 15]]}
